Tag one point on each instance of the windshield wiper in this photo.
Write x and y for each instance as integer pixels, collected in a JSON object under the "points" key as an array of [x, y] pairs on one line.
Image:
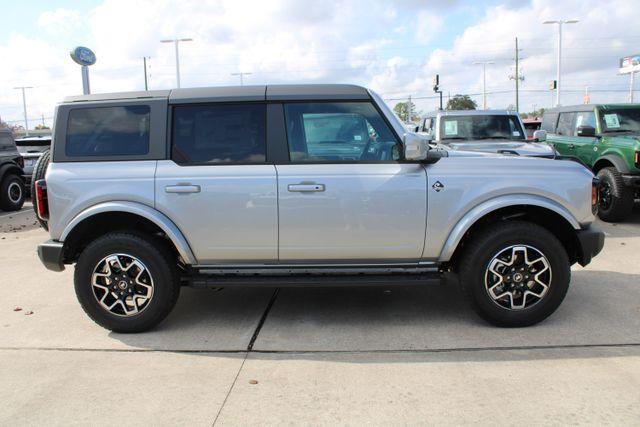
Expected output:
{"points": [[493, 137], [621, 131], [454, 137]]}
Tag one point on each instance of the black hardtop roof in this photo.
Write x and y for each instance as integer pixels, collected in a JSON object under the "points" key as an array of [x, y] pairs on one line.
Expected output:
{"points": [[237, 93], [588, 107]]}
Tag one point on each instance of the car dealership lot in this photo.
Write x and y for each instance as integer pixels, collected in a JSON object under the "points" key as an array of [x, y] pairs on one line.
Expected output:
{"points": [[322, 355]]}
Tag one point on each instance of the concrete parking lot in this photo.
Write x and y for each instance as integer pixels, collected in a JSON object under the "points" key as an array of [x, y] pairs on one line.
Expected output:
{"points": [[321, 356]]}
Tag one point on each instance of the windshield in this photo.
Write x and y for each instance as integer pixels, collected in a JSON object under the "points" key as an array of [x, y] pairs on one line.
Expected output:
{"points": [[480, 127], [620, 120]]}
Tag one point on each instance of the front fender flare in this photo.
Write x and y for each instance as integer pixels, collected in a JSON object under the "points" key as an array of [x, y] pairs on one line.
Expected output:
{"points": [[165, 224], [488, 206], [616, 159]]}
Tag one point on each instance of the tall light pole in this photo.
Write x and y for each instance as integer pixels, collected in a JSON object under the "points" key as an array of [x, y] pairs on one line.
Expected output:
{"points": [[24, 107], [484, 81], [241, 74], [560, 22], [176, 42]]}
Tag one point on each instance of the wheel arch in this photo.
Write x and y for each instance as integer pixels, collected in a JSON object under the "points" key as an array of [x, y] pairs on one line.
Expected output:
{"points": [[9, 168], [123, 215], [609, 160], [543, 212]]}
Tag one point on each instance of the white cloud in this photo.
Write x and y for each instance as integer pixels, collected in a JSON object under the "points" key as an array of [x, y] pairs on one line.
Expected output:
{"points": [[358, 41]]}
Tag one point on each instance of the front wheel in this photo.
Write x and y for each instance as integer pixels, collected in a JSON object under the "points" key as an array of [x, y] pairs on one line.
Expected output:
{"points": [[616, 200], [515, 273], [126, 282]]}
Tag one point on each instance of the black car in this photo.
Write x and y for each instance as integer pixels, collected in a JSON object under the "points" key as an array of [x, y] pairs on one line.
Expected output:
{"points": [[12, 187]]}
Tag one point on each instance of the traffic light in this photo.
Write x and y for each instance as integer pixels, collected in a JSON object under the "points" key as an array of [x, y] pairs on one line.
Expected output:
{"points": [[436, 83], [553, 85]]}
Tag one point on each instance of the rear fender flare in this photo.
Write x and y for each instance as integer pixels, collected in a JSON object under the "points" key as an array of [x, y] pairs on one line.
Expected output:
{"points": [[144, 211]]}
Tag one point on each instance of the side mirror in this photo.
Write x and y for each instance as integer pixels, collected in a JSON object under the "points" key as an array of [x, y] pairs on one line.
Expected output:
{"points": [[540, 135], [415, 147], [586, 131]]}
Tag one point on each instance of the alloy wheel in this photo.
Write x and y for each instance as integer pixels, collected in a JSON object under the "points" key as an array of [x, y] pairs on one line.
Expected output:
{"points": [[122, 284], [518, 277], [14, 192]]}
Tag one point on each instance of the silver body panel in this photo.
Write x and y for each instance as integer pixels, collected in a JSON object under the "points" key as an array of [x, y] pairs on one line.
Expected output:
{"points": [[366, 211], [233, 217]]}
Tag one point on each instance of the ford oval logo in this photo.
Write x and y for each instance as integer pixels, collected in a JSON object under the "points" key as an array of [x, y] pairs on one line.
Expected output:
{"points": [[83, 56]]}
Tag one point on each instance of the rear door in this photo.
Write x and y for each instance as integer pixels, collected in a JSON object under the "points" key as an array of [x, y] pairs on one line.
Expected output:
{"points": [[585, 147], [345, 196], [563, 139], [217, 186]]}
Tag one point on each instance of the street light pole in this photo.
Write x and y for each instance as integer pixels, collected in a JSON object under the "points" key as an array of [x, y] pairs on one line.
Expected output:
{"points": [[484, 81], [241, 74], [176, 41], [24, 107], [559, 22]]}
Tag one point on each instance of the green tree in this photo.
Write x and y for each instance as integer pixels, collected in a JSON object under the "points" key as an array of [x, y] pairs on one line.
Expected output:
{"points": [[40, 126], [461, 102], [406, 111]]}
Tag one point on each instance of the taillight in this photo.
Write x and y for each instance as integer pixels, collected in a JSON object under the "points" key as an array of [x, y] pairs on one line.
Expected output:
{"points": [[42, 204], [636, 159], [595, 195], [20, 161]]}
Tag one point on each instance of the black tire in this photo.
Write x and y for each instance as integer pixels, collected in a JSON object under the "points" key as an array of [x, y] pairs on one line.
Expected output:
{"points": [[616, 199], [160, 264], [39, 170], [12, 193], [491, 241]]}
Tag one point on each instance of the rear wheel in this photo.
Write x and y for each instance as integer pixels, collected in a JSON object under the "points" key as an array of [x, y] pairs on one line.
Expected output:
{"points": [[126, 282], [616, 200], [39, 171], [12, 193], [515, 273]]}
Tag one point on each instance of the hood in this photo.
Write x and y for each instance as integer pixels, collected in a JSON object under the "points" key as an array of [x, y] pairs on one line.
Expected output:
{"points": [[522, 148]]}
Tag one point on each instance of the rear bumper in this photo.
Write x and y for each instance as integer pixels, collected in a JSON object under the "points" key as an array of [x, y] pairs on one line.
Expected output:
{"points": [[50, 254], [631, 180], [590, 243]]}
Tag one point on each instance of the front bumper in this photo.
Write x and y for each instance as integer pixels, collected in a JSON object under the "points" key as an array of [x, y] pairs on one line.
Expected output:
{"points": [[50, 254], [590, 243], [632, 181]]}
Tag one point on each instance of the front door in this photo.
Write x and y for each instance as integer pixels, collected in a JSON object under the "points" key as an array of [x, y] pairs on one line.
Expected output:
{"points": [[345, 197]]}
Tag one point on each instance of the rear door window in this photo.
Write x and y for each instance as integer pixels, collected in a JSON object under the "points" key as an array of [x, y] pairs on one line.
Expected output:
{"points": [[108, 131], [586, 118], [549, 121], [565, 124], [219, 134], [6, 143]]}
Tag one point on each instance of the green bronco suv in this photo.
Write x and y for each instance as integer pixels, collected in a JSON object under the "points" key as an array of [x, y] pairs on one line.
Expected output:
{"points": [[605, 138]]}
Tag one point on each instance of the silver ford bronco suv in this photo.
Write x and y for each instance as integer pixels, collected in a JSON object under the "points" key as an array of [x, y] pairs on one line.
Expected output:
{"points": [[297, 185]]}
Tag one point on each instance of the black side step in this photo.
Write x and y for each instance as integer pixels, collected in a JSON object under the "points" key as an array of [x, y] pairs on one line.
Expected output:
{"points": [[216, 281]]}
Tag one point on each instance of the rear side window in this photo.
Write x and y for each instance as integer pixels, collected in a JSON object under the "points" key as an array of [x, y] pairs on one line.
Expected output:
{"points": [[549, 121], [108, 131], [565, 124], [219, 134], [6, 143]]}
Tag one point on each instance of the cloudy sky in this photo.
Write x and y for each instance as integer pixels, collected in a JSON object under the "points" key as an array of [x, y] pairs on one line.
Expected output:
{"points": [[394, 47]]}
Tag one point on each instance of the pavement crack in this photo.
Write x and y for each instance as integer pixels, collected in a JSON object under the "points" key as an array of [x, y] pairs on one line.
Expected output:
{"points": [[230, 390], [254, 337]]}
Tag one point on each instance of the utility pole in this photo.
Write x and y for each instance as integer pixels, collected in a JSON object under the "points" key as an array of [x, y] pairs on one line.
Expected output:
{"points": [[146, 82], [517, 80], [176, 41], [631, 81], [241, 74], [559, 22], [409, 110], [484, 81], [24, 108]]}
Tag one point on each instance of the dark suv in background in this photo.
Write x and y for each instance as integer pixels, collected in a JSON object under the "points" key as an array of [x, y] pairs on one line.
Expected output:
{"points": [[606, 139], [12, 188]]}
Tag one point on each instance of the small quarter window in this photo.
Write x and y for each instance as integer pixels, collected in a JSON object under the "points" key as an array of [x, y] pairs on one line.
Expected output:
{"points": [[219, 134], [108, 131]]}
